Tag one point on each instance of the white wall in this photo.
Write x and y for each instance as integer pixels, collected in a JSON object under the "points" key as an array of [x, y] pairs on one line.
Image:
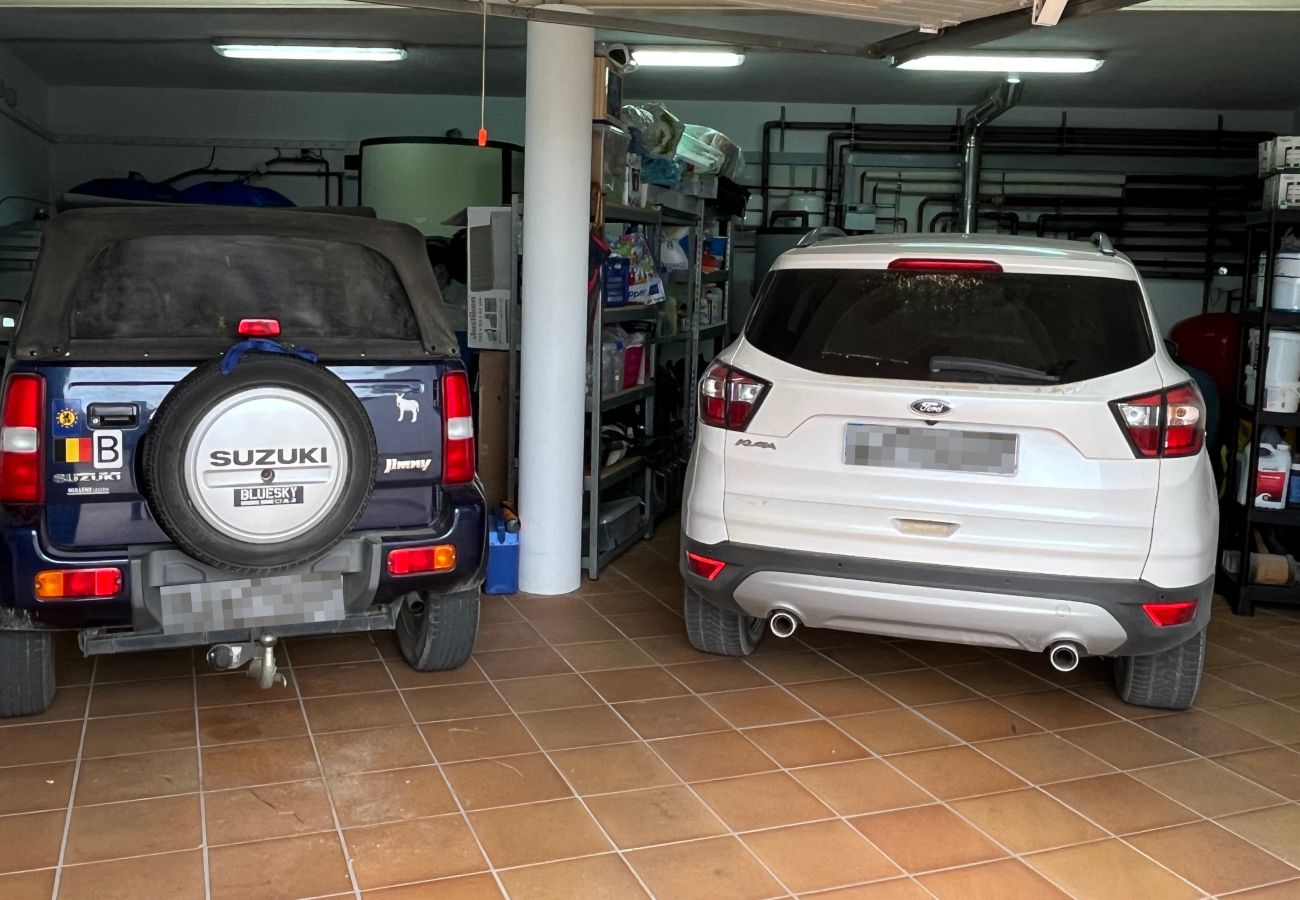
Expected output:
{"points": [[300, 119], [24, 157], [307, 120]]}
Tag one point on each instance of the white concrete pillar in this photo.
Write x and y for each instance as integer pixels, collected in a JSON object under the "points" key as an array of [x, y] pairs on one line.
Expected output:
{"points": [[553, 366]]}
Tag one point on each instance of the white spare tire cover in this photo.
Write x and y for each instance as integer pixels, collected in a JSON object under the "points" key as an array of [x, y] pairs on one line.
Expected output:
{"points": [[266, 465], [262, 469]]}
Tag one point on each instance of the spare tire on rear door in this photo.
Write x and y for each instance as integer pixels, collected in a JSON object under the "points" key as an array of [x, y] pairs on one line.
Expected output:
{"points": [[261, 470]]}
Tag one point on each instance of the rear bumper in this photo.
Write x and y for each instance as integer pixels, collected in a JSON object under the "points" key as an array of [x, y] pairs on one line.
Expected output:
{"points": [[360, 559], [1013, 610]]}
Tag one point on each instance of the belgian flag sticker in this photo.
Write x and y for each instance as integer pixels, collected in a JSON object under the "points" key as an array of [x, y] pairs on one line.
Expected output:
{"points": [[74, 450]]}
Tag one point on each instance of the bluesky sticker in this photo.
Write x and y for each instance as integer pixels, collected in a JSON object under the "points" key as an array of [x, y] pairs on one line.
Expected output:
{"points": [[66, 418]]}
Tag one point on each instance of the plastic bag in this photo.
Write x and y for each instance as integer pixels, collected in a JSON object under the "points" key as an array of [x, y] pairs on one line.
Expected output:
{"points": [[644, 286], [666, 172], [710, 151], [655, 130], [671, 253]]}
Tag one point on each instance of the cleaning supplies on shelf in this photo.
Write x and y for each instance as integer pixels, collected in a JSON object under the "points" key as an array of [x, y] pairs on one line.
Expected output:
{"points": [[1271, 475], [1282, 374]]}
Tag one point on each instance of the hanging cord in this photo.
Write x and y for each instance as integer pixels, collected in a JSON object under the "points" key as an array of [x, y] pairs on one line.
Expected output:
{"points": [[482, 89]]}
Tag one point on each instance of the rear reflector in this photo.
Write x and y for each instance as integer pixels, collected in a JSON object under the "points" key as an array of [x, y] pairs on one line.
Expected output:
{"points": [[1165, 614], [1164, 424], [22, 464], [421, 560], [457, 430], [704, 567], [945, 265], [729, 397], [259, 327], [78, 584]]}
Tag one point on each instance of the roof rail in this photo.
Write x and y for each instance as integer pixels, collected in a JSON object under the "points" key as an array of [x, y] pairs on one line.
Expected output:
{"points": [[817, 235], [1102, 242]]}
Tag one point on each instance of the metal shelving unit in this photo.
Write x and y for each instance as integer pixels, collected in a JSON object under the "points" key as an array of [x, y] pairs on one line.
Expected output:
{"points": [[706, 339], [1238, 521], [599, 479]]}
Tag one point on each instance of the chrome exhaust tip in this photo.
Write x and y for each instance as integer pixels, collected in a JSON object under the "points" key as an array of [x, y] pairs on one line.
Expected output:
{"points": [[782, 623], [1064, 656]]}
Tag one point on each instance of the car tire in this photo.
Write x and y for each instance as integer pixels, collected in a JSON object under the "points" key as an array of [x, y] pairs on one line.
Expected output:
{"points": [[26, 672], [436, 632], [1167, 680], [720, 631], [205, 411]]}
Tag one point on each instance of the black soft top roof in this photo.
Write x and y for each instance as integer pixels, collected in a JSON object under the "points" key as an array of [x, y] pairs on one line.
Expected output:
{"points": [[73, 239]]}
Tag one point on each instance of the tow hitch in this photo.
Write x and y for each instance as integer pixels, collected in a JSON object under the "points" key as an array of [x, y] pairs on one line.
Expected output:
{"points": [[258, 655]]}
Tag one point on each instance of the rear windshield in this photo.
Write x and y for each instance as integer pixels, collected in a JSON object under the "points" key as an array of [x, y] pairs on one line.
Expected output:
{"points": [[995, 328], [187, 286]]}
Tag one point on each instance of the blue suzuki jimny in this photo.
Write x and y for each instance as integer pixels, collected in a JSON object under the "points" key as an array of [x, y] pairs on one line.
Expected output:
{"points": [[224, 427]]}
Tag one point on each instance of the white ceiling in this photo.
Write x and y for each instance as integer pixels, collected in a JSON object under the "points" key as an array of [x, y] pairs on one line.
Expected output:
{"points": [[1204, 60]]}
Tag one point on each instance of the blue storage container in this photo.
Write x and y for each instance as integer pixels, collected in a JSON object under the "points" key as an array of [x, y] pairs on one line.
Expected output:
{"points": [[503, 558]]}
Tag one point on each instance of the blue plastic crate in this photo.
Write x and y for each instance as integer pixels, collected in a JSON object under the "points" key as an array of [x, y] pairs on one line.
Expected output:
{"points": [[503, 558]]}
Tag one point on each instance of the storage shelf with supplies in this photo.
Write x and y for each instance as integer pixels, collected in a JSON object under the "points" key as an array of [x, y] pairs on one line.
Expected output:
{"points": [[601, 545], [1239, 520]]}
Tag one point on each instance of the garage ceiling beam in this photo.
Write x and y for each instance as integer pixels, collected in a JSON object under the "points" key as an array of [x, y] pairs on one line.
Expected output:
{"points": [[982, 31], [607, 22]]}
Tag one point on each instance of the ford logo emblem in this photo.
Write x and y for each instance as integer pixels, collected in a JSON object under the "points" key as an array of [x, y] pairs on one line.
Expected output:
{"points": [[931, 408]]}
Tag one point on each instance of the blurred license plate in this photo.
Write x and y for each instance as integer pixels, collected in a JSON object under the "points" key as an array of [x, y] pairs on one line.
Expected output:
{"points": [[936, 449]]}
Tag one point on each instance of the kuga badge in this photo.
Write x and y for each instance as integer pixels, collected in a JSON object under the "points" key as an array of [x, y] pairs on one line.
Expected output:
{"points": [[931, 408]]}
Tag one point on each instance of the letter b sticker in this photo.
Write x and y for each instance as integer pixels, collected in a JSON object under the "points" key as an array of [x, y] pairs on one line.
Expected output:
{"points": [[108, 449]]}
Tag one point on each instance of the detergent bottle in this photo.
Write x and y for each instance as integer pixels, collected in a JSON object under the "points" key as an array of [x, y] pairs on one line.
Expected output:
{"points": [[1271, 476]]}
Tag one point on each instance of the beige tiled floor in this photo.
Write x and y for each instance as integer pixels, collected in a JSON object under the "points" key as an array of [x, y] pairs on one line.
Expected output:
{"points": [[588, 751]]}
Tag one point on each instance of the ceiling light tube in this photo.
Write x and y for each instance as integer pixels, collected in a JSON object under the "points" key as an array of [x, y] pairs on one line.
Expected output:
{"points": [[687, 57], [1018, 63], [303, 50]]}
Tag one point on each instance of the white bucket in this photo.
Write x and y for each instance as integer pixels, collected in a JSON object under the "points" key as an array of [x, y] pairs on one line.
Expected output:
{"points": [[1282, 398], [1283, 371], [1286, 281]]}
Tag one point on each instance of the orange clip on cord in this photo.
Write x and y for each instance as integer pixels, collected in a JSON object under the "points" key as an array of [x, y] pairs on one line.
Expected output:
{"points": [[482, 137]]}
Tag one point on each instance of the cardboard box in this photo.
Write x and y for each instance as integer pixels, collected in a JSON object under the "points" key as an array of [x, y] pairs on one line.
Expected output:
{"points": [[490, 286], [1283, 152], [1282, 191]]}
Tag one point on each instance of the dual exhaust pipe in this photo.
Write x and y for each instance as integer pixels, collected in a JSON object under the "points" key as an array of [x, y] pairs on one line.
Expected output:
{"points": [[1063, 655]]}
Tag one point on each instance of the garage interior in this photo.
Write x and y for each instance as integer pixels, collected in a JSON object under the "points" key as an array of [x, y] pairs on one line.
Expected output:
{"points": [[587, 749]]}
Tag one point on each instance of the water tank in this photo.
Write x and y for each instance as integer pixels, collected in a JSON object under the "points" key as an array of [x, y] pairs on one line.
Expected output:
{"points": [[425, 180]]}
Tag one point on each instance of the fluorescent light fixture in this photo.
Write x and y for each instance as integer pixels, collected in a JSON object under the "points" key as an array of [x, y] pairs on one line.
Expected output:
{"points": [[323, 51], [1019, 64], [687, 57]]}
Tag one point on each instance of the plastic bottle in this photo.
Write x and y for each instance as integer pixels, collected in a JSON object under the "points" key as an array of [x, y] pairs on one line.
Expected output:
{"points": [[1272, 475]]}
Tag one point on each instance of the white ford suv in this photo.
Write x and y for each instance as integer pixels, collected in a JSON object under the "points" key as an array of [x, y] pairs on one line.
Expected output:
{"points": [[969, 438]]}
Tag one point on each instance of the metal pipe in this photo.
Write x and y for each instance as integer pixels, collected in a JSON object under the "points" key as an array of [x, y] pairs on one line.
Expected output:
{"points": [[1006, 96]]}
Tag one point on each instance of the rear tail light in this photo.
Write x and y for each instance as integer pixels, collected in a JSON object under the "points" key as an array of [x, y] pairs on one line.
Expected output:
{"points": [[457, 430], [259, 327], [77, 584], [729, 397], [22, 462], [421, 560], [1165, 614], [945, 265], [706, 568], [1164, 424]]}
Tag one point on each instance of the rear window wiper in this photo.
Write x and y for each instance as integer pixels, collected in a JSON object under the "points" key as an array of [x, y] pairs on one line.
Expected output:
{"points": [[940, 364]]}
